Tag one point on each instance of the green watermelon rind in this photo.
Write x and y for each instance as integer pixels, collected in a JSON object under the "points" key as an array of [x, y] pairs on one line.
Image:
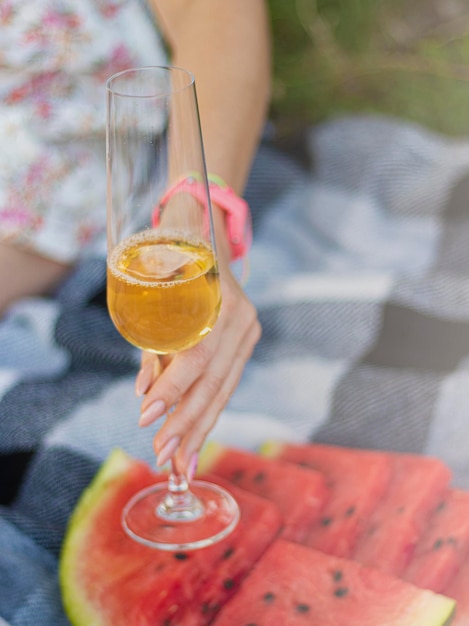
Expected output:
{"points": [[433, 610], [210, 453], [270, 448], [77, 607]]}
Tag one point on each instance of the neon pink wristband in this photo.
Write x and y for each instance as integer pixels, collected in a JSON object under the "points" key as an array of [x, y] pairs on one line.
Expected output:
{"points": [[238, 217]]}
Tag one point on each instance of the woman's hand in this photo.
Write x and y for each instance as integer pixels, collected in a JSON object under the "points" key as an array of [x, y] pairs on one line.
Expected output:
{"points": [[192, 387]]}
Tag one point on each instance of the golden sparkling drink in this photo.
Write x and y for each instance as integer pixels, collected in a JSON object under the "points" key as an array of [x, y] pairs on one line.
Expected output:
{"points": [[163, 293]]}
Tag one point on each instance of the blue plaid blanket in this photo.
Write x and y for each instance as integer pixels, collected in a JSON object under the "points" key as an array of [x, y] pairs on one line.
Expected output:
{"points": [[360, 272]]}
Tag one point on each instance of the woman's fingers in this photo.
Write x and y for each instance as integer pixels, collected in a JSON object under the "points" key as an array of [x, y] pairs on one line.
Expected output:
{"points": [[176, 380], [196, 414], [149, 371], [198, 430]]}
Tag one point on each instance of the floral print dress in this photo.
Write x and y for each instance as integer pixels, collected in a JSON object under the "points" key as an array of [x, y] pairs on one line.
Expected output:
{"points": [[55, 58]]}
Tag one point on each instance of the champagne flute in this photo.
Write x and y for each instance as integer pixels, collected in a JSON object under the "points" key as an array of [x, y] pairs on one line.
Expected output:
{"points": [[163, 288]]}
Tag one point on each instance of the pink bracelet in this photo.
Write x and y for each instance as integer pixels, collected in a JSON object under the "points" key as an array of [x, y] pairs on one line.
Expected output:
{"points": [[238, 217]]}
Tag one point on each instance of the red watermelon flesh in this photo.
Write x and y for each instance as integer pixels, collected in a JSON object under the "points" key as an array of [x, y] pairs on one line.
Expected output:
{"points": [[299, 493], [108, 579], [444, 545], [212, 575], [357, 480], [295, 585], [458, 589], [237, 555], [417, 486]]}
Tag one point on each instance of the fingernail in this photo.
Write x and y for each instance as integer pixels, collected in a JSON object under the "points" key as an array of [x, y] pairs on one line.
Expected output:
{"points": [[151, 413], [168, 450], [143, 379], [192, 467]]}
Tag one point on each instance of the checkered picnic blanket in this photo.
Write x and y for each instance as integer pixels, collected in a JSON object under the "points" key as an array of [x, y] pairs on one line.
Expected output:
{"points": [[360, 272]]}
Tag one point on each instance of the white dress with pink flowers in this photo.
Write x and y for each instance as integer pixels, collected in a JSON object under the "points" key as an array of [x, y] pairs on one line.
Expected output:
{"points": [[55, 57]]}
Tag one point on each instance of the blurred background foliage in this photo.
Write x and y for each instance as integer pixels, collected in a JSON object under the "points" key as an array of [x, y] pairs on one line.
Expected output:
{"points": [[406, 58]]}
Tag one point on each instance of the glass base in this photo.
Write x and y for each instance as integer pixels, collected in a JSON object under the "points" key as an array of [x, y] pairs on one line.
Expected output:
{"points": [[200, 517]]}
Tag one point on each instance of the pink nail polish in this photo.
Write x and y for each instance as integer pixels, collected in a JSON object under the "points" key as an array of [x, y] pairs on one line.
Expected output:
{"points": [[192, 467], [168, 450], [151, 413]]}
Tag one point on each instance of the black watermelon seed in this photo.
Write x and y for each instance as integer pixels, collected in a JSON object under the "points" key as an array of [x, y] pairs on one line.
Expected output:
{"points": [[452, 541], [238, 475], [337, 575], [438, 543], [302, 608], [228, 583], [341, 592], [350, 511], [326, 521], [269, 597], [210, 608], [181, 556], [259, 477], [228, 553]]}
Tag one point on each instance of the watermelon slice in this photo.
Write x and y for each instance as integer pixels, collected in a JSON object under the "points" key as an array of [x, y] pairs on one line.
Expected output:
{"points": [[445, 544], [357, 480], [108, 579], [293, 584], [299, 493], [417, 486]]}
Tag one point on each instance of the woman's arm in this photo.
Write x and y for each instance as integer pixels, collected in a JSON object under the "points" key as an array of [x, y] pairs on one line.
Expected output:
{"points": [[24, 273], [226, 46]]}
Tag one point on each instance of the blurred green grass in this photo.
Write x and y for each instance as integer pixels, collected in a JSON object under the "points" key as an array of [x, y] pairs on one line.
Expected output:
{"points": [[396, 57]]}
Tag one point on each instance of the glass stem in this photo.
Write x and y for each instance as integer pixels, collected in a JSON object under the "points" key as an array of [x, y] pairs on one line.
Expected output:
{"points": [[180, 503], [178, 484]]}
